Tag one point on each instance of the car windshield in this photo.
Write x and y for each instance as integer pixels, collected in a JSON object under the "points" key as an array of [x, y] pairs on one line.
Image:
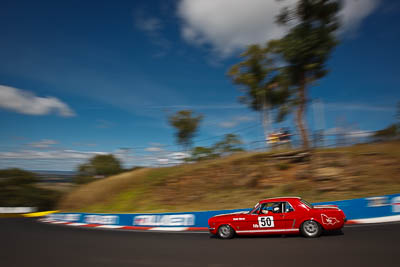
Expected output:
{"points": [[306, 203], [256, 207]]}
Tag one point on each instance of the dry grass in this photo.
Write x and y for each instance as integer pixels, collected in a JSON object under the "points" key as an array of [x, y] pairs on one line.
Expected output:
{"points": [[61, 187], [102, 190], [242, 179]]}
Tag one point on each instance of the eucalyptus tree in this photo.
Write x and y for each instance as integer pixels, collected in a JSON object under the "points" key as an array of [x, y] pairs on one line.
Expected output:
{"points": [[306, 48], [262, 82], [279, 74], [229, 144], [186, 124]]}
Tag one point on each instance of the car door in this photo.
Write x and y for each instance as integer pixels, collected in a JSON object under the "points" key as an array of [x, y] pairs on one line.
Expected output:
{"points": [[271, 217], [251, 222], [289, 218], [264, 219]]}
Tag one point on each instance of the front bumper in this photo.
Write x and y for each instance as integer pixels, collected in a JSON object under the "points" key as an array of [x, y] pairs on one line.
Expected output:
{"points": [[212, 230]]}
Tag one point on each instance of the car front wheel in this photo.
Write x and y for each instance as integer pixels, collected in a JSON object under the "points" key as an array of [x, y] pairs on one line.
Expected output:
{"points": [[225, 231], [311, 228]]}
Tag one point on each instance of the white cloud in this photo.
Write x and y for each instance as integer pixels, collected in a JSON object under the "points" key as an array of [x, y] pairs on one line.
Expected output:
{"points": [[173, 158], [228, 124], [154, 149], [333, 131], [84, 144], [153, 26], [68, 159], [354, 11], [27, 103], [358, 107], [49, 160], [202, 107], [149, 25], [360, 134], [348, 133], [244, 118], [229, 25], [104, 124], [56, 154], [45, 143], [179, 155], [235, 121], [163, 161]]}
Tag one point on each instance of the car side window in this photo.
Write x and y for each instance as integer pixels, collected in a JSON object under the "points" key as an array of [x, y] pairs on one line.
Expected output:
{"points": [[264, 208], [272, 207], [288, 207]]}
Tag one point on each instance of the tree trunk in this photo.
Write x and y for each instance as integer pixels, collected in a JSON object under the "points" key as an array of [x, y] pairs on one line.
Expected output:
{"points": [[265, 122], [300, 113]]}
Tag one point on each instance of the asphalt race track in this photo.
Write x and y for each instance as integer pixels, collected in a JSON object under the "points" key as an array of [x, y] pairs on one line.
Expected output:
{"points": [[26, 242]]}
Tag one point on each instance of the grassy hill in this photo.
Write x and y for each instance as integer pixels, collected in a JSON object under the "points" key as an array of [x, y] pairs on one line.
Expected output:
{"points": [[240, 180]]}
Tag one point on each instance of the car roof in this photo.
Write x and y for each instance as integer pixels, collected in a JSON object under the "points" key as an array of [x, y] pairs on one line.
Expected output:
{"points": [[279, 199]]}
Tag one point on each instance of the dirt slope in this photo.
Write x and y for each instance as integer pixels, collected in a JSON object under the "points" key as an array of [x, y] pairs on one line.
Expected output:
{"points": [[240, 180]]}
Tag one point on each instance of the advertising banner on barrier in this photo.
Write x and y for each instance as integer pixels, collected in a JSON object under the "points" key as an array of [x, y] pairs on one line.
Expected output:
{"points": [[362, 208]]}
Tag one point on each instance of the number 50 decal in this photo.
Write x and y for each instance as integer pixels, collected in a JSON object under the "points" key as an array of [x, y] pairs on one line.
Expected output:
{"points": [[266, 221]]}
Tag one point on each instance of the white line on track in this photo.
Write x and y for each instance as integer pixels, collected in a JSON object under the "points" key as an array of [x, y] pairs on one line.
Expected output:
{"points": [[171, 229], [109, 226], [76, 224]]}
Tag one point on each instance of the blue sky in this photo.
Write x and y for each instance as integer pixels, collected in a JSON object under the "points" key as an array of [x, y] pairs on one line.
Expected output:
{"points": [[79, 78]]}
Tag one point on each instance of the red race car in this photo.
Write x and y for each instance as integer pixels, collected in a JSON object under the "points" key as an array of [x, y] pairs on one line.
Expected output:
{"points": [[283, 215]]}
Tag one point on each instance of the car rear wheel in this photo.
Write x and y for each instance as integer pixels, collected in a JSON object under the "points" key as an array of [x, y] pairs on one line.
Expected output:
{"points": [[225, 231], [310, 228]]}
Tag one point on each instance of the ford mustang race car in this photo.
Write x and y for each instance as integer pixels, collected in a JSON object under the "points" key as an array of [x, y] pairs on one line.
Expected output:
{"points": [[284, 215]]}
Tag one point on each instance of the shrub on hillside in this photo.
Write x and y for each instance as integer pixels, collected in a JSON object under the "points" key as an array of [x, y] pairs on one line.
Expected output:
{"points": [[389, 133], [97, 167], [80, 179], [202, 153], [282, 166], [18, 189]]}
